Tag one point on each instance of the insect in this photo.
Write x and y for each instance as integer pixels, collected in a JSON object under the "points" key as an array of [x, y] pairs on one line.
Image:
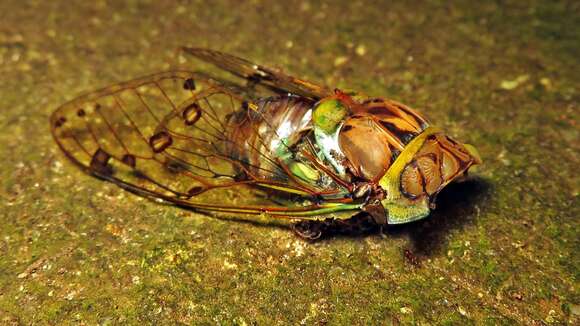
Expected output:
{"points": [[261, 143]]}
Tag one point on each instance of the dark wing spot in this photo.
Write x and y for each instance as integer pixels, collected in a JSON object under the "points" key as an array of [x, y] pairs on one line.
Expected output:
{"points": [[140, 174], [160, 141], [100, 162], [195, 190], [191, 114], [81, 113], [59, 122], [175, 166], [129, 159], [189, 84]]}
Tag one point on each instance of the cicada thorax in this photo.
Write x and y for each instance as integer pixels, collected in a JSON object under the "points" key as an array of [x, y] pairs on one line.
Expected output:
{"points": [[391, 150], [375, 134]]}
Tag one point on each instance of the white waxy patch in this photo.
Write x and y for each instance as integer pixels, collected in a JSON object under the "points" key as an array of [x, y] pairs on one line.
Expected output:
{"points": [[306, 118], [286, 129], [330, 147]]}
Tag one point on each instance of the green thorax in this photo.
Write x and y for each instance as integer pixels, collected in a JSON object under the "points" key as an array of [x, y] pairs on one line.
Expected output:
{"points": [[327, 118]]}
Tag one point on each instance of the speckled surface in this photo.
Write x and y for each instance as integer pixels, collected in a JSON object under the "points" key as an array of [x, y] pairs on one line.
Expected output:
{"points": [[501, 249]]}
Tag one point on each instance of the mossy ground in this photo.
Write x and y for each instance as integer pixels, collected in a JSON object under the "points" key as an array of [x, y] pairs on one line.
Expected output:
{"points": [[501, 249]]}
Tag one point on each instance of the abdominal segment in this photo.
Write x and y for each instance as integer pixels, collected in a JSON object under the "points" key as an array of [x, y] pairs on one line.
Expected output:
{"points": [[262, 134]]}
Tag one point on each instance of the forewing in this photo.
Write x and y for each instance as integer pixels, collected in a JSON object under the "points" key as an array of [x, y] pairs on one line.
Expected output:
{"points": [[275, 79], [166, 136]]}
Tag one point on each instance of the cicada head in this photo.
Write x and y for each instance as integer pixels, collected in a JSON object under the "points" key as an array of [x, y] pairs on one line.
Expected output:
{"points": [[429, 163]]}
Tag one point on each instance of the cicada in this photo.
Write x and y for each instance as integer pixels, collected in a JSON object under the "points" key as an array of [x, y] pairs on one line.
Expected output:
{"points": [[261, 142]]}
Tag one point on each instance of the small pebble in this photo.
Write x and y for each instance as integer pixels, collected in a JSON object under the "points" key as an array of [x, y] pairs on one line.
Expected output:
{"points": [[546, 82], [406, 310], [361, 50], [339, 61], [514, 83]]}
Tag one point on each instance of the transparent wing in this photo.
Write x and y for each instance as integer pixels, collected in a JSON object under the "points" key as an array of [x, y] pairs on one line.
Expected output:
{"points": [[167, 136], [260, 74]]}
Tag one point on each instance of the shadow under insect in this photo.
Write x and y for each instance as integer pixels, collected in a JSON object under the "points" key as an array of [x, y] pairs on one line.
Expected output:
{"points": [[457, 205]]}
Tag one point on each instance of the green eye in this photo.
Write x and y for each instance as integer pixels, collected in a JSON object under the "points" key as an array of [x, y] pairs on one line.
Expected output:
{"points": [[328, 115]]}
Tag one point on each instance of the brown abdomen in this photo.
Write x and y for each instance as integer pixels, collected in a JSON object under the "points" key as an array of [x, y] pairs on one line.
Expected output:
{"points": [[259, 134]]}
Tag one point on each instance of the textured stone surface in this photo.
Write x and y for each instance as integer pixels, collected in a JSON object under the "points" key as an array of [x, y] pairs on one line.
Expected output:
{"points": [[502, 249]]}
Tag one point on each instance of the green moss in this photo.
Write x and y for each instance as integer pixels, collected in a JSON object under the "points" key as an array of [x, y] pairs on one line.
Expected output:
{"points": [[500, 250]]}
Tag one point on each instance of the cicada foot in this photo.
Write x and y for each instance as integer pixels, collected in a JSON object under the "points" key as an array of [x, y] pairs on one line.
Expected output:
{"points": [[360, 224], [310, 230]]}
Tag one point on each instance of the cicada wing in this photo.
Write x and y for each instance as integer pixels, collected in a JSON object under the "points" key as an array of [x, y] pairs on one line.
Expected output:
{"points": [[275, 79], [166, 136]]}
